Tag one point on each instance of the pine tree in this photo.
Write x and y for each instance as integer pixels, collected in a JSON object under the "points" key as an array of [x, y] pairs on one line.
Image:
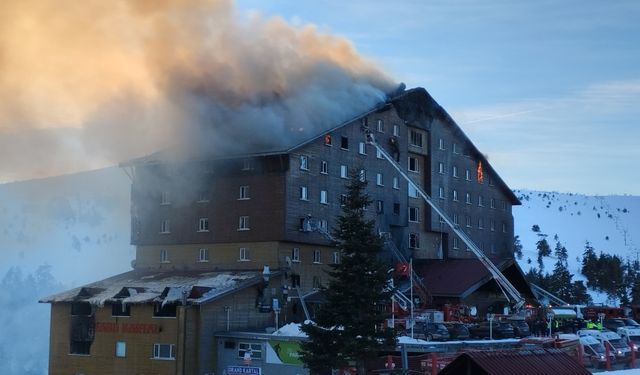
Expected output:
{"points": [[347, 326], [517, 247]]}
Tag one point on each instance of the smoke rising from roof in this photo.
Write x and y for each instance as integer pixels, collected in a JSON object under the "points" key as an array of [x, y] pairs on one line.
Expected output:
{"points": [[90, 83]]}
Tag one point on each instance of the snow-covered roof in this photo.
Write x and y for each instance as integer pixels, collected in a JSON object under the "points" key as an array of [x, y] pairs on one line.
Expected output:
{"points": [[145, 286]]}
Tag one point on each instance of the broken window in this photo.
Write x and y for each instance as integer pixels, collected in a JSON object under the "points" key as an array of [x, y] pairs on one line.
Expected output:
{"points": [[120, 309], [327, 140], [167, 310], [396, 208], [414, 166], [344, 143], [414, 214], [304, 162], [415, 138], [414, 240], [83, 327]]}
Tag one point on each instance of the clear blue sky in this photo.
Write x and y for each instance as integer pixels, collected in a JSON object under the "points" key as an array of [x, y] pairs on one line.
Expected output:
{"points": [[549, 90]]}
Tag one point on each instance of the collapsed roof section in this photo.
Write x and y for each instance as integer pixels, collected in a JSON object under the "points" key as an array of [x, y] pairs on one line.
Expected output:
{"points": [[140, 287]]}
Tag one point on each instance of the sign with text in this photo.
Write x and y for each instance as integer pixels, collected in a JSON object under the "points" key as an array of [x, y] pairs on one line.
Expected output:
{"points": [[243, 370], [110, 327]]}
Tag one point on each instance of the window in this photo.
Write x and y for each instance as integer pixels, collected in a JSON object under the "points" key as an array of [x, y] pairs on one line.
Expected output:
{"points": [[243, 223], [304, 162], [244, 192], [164, 351], [380, 206], [414, 214], [396, 208], [316, 256], [379, 154], [380, 126], [480, 223], [415, 138], [455, 195], [203, 255], [454, 171], [250, 350], [327, 140], [396, 184], [121, 349], [414, 241], [304, 194], [467, 198], [493, 248], [441, 219], [504, 227], [362, 148], [467, 175], [456, 219], [317, 284], [414, 166], [456, 245], [81, 308], [203, 197], [480, 201], [344, 143], [343, 199], [344, 173], [468, 221], [295, 254], [323, 224], [455, 148], [413, 192], [324, 168], [504, 205], [441, 168], [80, 347], [164, 198], [164, 226], [493, 202], [492, 225], [246, 164], [203, 224], [336, 257], [243, 254], [379, 179], [323, 196], [168, 310], [164, 256], [120, 309], [396, 130], [441, 144], [441, 192]]}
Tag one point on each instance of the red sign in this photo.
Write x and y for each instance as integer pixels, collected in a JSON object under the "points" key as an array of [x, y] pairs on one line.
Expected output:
{"points": [[143, 328]]}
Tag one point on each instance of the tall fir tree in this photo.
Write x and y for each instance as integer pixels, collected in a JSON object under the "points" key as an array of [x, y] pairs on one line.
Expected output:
{"points": [[348, 326]]}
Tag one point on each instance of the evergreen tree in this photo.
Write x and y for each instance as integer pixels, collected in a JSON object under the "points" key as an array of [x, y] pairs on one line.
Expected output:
{"points": [[544, 250], [517, 247], [347, 326], [589, 264]]}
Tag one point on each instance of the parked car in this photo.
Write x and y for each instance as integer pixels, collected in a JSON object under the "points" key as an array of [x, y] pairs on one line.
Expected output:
{"points": [[435, 331], [457, 330], [612, 324], [500, 330], [594, 352], [520, 328]]}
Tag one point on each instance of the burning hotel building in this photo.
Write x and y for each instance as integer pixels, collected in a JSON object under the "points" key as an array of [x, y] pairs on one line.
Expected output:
{"points": [[239, 242]]}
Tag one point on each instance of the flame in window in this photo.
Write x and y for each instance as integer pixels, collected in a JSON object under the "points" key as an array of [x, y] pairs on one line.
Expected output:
{"points": [[479, 172]]}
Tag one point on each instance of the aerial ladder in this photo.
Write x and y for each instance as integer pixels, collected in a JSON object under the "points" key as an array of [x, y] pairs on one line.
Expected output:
{"points": [[509, 291]]}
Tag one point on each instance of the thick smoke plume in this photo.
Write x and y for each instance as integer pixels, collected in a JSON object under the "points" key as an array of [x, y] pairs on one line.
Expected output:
{"points": [[93, 82]]}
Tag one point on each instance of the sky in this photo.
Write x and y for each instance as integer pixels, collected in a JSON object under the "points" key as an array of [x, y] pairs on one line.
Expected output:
{"points": [[549, 90]]}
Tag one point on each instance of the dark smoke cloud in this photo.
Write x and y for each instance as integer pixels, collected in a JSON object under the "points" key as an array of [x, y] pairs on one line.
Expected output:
{"points": [[90, 83]]}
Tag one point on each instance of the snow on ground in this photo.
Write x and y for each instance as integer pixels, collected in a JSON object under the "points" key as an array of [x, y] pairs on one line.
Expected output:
{"points": [[291, 329]]}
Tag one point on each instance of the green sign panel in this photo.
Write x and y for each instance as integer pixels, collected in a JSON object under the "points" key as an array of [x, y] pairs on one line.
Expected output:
{"points": [[284, 352]]}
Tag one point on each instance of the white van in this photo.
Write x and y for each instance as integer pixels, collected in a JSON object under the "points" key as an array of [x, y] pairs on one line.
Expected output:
{"points": [[593, 351], [616, 344], [630, 335]]}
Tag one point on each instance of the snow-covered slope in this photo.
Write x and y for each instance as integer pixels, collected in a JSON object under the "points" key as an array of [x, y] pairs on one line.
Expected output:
{"points": [[610, 223]]}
